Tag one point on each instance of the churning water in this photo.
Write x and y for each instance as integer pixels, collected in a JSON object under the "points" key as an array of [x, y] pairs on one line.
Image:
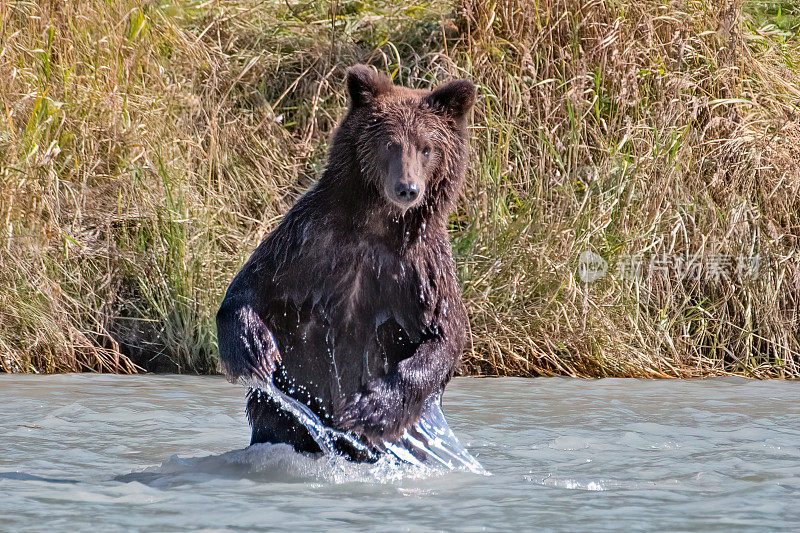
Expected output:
{"points": [[81, 452]]}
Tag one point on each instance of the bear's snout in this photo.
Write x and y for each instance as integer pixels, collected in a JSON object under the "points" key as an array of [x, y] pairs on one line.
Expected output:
{"points": [[405, 182], [406, 191]]}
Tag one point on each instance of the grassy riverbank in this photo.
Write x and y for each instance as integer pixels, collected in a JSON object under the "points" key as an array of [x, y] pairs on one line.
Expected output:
{"points": [[146, 148]]}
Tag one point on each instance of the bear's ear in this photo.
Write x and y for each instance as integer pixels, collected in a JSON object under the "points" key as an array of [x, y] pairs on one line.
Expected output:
{"points": [[364, 84], [455, 98]]}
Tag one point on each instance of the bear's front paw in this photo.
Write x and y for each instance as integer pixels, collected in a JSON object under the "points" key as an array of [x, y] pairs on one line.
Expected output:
{"points": [[375, 413], [247, 349]]}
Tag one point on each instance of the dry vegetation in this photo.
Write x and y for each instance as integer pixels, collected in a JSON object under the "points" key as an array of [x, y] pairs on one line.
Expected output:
{"points": [[146, 148]]}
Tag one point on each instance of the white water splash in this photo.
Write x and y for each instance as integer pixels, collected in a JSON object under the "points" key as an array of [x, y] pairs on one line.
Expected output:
{"points": [[429, 444]]}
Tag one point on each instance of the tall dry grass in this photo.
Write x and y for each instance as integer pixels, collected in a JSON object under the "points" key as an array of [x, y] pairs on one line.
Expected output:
{"points": [[633, 128], [146, 148]]}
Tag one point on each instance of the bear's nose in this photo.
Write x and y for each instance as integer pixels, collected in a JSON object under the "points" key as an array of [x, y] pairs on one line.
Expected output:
{"points": [[406, 192]]}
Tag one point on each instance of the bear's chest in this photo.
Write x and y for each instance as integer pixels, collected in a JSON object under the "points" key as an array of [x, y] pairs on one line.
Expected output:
{"points": [[353, 316], [356, 282], [370, 286]]}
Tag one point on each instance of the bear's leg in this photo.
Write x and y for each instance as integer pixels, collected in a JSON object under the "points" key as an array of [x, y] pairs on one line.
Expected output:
{"points": [[272, 424], [387, 406]]}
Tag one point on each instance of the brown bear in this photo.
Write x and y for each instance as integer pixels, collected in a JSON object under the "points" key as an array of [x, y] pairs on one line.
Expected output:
{"points": [[351, 306]]}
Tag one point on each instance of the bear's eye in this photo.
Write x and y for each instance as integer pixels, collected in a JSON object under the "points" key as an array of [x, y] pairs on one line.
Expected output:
{"points": [[426, 151]]}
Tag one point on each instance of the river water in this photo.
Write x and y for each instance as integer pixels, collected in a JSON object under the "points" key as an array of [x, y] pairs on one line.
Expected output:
{"points": [[169, 453]]}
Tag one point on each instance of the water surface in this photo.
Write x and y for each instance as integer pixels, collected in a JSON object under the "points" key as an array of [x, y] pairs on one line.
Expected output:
{"points": [[169, 453]]}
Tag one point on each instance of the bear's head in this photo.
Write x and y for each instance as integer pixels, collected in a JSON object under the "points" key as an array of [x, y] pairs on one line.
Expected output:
{"points": [[410, 144]]}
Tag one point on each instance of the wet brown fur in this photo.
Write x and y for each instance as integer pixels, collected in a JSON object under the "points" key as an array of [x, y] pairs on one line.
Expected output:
{"points": [[352, 305]]}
